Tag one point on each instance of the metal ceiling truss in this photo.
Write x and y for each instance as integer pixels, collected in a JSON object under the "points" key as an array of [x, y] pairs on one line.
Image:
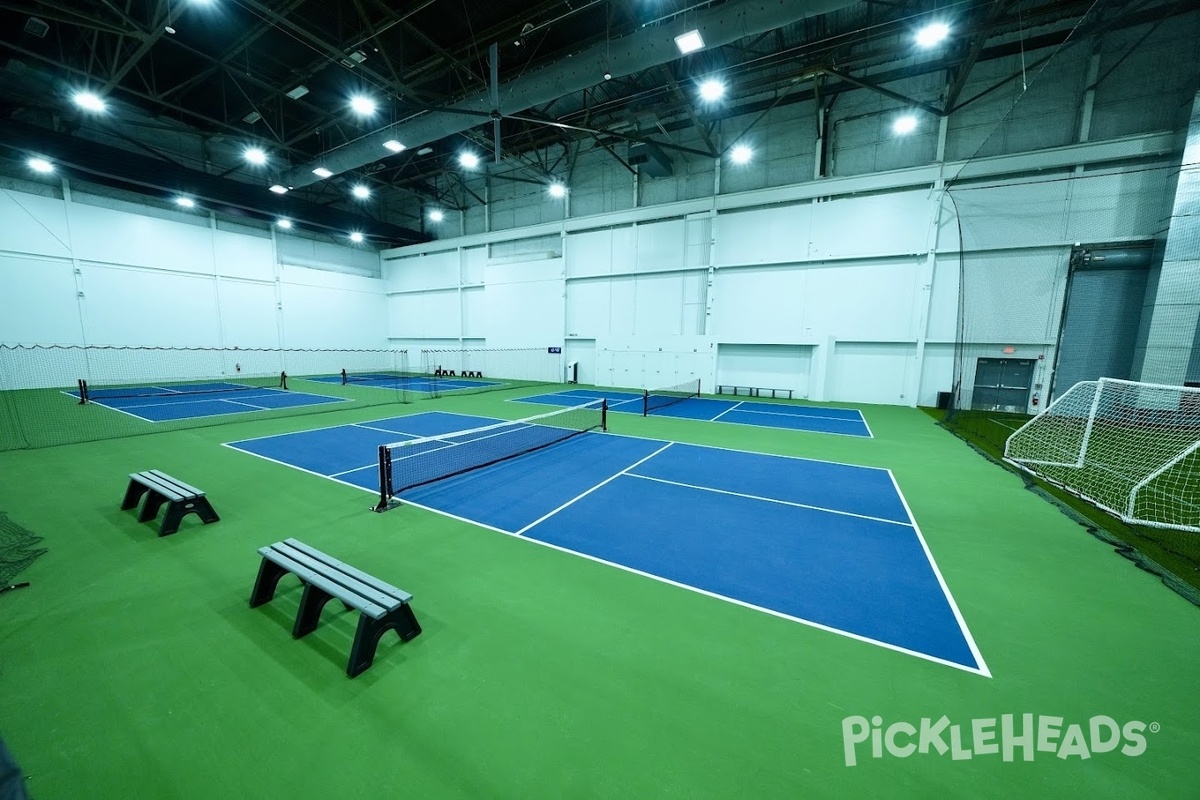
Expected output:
{"points": [[118, 48]]}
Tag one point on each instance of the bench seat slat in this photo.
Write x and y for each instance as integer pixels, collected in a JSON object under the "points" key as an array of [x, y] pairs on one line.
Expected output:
{"points": [[334, 589], [185, 488], [341, 586], [369, 580], [165, 488], [349, 584]]}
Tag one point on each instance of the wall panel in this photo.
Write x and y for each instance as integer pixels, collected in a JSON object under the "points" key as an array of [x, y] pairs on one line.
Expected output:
{"points": [[38, 297]]}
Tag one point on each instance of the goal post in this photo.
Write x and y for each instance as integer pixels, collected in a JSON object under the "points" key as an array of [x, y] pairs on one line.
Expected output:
{"points": [[1129, 448]]}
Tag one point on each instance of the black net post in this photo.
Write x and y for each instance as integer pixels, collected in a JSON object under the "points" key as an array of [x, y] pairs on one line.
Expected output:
{"points": [[604, 415], [385, 479], [82, 391], [645, 402]]}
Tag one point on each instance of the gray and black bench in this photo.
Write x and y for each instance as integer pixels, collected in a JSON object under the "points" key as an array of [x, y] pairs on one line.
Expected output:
{"points": [[382, 607], [753, 391], [159, 489]]}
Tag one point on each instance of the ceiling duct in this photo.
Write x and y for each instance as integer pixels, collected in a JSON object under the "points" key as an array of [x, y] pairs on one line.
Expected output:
{"points": [[650, 160], [644, 48]]}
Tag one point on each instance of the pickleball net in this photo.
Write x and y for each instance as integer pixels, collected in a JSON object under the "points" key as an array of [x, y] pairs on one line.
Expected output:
{"points": [[655, 399], [89, 392], [418, 462], [387, 377]]}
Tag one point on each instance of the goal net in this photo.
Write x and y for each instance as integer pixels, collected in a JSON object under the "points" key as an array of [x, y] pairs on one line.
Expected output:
{"points": [[1132, 449]]}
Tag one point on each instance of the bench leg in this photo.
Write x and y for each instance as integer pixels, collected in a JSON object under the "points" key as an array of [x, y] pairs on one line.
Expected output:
{"points": [[269, 574], [132, 495], [370, 631], [309, 614], [177, 511], [150, 508]]}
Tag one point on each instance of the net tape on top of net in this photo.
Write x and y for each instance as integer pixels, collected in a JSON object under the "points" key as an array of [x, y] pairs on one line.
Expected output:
{"points": [[417, 462], [654, 399]]}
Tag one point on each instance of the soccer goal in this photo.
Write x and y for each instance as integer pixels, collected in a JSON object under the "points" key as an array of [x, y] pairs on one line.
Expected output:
{"points": [[1133, 449]]}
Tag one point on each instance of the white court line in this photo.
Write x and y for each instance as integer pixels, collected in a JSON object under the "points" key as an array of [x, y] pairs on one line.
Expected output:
{"points": [[160, 405], [249, 405], [605, 433], [868, 427], [607, 480], [448, 445], [374, 466], [364, 424], [613, 407], [801, 430], [726, 411], [772, 500], [806, 416], [962, 623], [102, 404], [373, 428], [374, 492], [745, 604]]}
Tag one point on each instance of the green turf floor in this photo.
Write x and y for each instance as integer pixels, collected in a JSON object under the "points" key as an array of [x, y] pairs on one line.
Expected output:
{"points": [[133, 667]]}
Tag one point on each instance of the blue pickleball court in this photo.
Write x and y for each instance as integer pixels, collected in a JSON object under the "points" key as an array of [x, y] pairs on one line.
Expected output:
{"points": [[815, 419], [826, 544], [413, 383], [179, 401]]}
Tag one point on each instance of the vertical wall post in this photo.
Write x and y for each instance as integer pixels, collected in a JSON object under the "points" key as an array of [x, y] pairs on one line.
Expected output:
{"points": [[927, 270]]}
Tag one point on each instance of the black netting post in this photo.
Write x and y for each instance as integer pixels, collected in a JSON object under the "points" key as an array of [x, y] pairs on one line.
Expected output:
{"points": [[82, 391], [385, 479], [604, 415]]}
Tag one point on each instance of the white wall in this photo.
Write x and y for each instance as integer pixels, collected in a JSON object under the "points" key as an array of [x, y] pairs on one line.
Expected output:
{"points": [[75, 271], [839, 276], [849, 292]]}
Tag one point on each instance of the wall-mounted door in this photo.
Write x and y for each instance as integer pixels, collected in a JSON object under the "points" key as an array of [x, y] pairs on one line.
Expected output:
{"points": [[1002, 384]]}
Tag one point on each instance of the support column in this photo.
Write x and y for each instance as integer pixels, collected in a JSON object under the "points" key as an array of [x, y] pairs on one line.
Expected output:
{"points": [[1173, 294]]}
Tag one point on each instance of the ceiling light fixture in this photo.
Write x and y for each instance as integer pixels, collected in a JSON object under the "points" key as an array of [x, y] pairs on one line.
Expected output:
{"points": [[321, 172], [40, 165], [89, 101], [689, 42], [361, 192], [468, 159], [278, 188], [557, 190], [437, 215], [255, 155], [297, 92], [356, 237], [904, 124], [933, 34], [393, 145], [285, 224], [712, 90], [741, 154], [362, 105], [185, 202]]}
